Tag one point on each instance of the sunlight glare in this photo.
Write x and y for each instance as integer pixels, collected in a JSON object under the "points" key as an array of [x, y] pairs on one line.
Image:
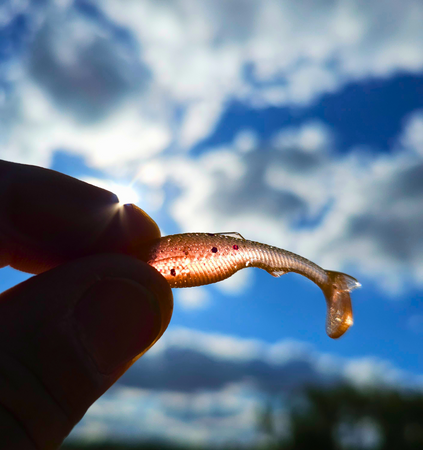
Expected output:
{"points": [[126, 194]]}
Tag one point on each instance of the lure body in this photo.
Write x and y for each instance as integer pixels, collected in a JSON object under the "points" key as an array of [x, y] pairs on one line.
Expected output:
{"points": [[195, 259]]}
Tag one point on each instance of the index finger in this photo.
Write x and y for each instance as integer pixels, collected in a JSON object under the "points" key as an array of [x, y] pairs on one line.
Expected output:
{"points": [[48, 218]]}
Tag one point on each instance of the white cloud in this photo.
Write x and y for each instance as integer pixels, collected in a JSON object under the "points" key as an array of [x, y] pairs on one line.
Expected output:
{"points": [[372, 372], [246, 140], [285, 351], [124, 136], [213, 344], [199, 50], [196, 418], [199, 122], [193, 299], [237, 283], [83, 89], [109, 85], [311, 136], [413, 134]]}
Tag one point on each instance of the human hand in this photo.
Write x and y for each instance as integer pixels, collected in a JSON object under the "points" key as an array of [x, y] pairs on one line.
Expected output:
{"points": [[69, 333]]}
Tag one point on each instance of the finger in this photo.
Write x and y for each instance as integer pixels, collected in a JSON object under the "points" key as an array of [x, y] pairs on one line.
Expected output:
{"points": [[47, 218], [67, 335]]}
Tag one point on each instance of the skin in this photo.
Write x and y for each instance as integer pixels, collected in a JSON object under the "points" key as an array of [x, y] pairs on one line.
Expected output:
{"points": [[94, 307]]}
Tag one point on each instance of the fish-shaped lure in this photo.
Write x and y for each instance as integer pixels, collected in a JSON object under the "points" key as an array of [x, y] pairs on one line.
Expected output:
{"points": [[195, 259]]}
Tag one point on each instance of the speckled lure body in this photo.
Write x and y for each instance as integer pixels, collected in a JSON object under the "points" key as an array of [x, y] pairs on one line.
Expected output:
{"points": [[195, 259]]}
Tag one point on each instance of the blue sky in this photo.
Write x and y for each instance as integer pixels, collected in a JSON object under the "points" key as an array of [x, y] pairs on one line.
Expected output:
{"points": [[297, 124]]}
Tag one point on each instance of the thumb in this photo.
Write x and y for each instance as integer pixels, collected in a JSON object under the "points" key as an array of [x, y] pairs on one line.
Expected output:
{"points": [[66, 336]]}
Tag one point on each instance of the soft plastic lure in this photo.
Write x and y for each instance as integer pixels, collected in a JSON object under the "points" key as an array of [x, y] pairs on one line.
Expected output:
{"points": [[195, 259]]}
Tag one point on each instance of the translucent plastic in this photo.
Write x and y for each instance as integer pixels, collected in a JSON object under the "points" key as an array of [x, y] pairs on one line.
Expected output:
{"points": [[195, 259]]}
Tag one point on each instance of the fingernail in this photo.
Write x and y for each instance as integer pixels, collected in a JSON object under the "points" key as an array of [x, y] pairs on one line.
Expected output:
{"points": [[117, 320]]}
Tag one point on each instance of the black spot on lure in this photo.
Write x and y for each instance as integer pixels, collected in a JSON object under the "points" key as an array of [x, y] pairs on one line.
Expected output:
{"points": [[195, 259]]}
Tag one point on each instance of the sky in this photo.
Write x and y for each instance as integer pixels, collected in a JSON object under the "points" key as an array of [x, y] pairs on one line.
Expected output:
{"points": [[296, 124]]}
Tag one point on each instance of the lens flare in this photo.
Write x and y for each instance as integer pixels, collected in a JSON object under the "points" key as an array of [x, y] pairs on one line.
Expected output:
{"points": [[126, 194]]}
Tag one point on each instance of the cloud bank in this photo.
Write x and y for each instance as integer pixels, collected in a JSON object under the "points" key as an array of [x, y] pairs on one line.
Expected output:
{"points": [[360, 211], [206, 388], [99, 79]]}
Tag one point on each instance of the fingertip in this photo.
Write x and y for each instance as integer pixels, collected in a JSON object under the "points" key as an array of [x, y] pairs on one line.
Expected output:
{"points": [[48, 218], [142, 221]]}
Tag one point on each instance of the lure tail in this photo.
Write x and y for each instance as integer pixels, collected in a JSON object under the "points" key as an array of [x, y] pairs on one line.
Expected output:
{"points": [[339, 310]]}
